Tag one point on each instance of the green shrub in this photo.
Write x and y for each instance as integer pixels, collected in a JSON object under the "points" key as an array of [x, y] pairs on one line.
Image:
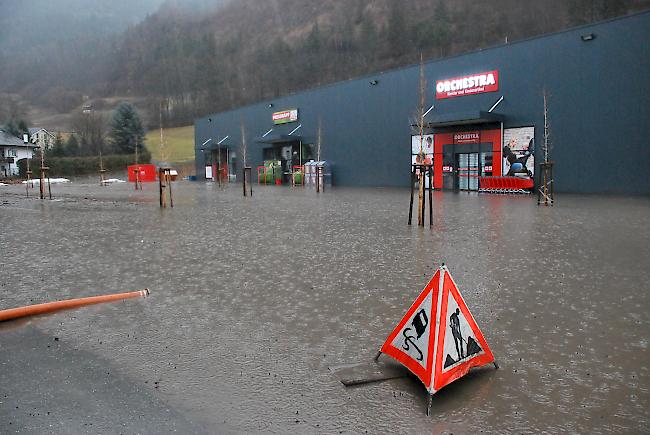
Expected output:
{"points": [[74, 166]]}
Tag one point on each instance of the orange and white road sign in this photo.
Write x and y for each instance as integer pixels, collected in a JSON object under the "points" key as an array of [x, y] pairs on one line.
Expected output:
{"points": [[438, 339]]}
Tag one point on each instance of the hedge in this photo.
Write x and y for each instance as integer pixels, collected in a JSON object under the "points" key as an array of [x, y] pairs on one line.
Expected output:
{"points": [[72, 166]]}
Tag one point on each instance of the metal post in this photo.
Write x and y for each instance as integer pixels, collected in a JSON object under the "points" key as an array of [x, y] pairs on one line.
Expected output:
{"points": [[29, 179], [250, 184], [219, 166], [412, 193], [431, 195], [42, 177], [423, 203], [160, 187], [244, 179], [171, 198]]}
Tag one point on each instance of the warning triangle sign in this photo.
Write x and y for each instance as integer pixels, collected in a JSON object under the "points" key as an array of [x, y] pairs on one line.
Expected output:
{"points": [[412, 341], [438, 340]]}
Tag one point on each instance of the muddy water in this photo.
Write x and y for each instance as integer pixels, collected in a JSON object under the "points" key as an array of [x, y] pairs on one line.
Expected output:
{"points": [[254, 298]]}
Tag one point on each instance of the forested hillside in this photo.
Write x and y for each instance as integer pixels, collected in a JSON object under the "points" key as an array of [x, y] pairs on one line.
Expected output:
{"points": [[200, 56]]}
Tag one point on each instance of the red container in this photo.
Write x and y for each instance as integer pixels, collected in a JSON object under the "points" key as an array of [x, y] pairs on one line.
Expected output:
{"points": [[146, 173]]}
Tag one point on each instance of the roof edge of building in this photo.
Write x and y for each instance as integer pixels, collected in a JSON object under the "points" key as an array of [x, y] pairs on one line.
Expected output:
{"points": [[430, 62]]}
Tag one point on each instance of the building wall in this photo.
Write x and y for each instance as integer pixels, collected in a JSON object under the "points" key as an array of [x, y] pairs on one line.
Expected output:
{"points": [[598, 96], [17, 153], [42, 138]]}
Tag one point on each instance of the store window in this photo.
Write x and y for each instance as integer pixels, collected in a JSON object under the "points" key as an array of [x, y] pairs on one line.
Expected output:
{"points": [[519, 152]]}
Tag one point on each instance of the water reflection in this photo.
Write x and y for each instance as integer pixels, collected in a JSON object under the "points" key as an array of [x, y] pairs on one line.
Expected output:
{"points": [[253, 298]]}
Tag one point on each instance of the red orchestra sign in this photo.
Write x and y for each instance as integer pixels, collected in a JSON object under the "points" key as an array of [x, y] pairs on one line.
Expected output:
{"points": [[468, 85]]}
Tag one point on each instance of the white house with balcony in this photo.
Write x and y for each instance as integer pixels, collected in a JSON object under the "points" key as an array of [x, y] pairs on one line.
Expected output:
{"points": [[13, 149]]}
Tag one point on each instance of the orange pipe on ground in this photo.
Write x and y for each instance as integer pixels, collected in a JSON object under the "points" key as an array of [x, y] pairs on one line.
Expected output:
{"points": [[33, 310]]}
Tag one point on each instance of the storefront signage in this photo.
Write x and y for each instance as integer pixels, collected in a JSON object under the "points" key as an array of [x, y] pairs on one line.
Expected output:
{"points": [[519, 152], [468, 85], [447, 169], [285, 117], [467, 137]]}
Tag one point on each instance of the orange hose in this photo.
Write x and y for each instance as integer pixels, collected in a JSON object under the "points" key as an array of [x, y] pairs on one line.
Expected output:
{"points": [[33, 310]]}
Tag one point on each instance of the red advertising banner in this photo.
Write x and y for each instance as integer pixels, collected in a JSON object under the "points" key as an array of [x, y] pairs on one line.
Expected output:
{"points": [[285, 116], [468, 85], [467, 137]]}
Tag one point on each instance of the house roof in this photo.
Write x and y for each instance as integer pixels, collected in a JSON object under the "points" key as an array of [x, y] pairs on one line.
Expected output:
{"points": [[7, 139], [34, 130]]}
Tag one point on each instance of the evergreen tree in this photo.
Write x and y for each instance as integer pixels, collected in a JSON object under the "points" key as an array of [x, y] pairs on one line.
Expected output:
{"points": [[368, 38], [71, 146], [58, 147], [11, 128], [396, 31], [442, 29], [22, 128], [126, 130], [313, 41]]}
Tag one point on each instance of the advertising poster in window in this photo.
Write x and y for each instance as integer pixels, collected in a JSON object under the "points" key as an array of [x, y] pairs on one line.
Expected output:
{"points": [[519, 152], [427, 148], [427, 144]]}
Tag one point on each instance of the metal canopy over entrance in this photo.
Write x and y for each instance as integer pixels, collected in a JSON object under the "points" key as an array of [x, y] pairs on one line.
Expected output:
{"points": [[465, 119], [279, 139]]}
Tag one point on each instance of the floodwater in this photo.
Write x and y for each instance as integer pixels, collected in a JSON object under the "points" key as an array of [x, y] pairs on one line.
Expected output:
{"points": [[254, 299]]}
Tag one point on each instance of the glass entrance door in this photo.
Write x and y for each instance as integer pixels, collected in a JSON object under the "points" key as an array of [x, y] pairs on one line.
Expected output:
{"points": [[468, 171]]}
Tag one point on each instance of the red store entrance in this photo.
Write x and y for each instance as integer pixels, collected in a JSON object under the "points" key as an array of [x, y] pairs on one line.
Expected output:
{"points": [[461, 157]]}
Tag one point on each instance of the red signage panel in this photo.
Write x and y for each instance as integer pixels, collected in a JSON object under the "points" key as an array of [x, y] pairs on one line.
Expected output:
{"points": [[285, 116], [468, 85]]}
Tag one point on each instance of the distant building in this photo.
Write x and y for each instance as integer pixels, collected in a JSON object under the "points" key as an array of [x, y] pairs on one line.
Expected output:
{"points": [[13, 149], [41, 137], [484, 118]]}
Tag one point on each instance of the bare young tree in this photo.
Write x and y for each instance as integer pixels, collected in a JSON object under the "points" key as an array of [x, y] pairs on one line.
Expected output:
{"points": [[420, 131], [244, 146], [318, 146], [91, 128], [246, 171], [546, 147]]}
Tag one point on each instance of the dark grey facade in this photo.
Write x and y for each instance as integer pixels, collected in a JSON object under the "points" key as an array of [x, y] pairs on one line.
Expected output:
{"points": [[596, 78]]}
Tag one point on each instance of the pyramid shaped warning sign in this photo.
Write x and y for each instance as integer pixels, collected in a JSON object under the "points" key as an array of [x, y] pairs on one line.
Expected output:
{"points": [[438, 340]]}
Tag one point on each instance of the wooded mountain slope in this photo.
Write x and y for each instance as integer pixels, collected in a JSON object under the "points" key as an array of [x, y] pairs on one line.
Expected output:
{"points": [[201, 56]]}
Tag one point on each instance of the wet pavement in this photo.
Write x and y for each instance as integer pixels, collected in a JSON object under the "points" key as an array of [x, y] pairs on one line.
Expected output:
{"points": [[253, 299]]}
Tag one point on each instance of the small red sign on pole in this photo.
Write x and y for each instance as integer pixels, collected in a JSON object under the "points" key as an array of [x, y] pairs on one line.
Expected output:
{"points": [[438, 339]]}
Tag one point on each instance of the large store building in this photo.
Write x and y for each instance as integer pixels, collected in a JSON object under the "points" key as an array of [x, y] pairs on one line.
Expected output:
{"points": [[485, 117]]}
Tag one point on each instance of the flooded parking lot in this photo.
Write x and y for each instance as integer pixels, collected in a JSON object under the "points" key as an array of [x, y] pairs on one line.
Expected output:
{"points": [[253, 299]]}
